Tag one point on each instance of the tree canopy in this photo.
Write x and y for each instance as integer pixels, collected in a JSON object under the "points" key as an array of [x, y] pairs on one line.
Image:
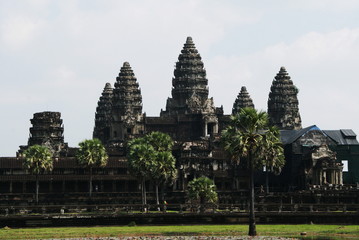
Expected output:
{"points": [[202, 189], [150, 157], [91, 154], [37, 159]]}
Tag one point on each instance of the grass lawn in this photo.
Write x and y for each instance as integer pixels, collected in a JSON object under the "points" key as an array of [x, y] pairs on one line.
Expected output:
{"points": [[325, 231]]}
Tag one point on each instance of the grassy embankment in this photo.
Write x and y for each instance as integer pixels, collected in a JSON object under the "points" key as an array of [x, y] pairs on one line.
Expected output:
{"points": [[326, 231]]}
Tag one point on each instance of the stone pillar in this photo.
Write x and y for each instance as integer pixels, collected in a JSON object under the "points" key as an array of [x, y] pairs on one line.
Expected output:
{"points": [[182, 180], [320, 177], [340, 177], [205, 128], [215, 128], [336, 175]]}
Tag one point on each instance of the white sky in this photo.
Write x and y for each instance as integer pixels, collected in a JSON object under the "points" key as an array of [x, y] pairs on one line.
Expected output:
{"points": [[58, 55]]}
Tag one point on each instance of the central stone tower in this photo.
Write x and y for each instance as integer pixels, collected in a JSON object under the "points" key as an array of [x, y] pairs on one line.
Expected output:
{"points": [[194, 113], [190, 85]]}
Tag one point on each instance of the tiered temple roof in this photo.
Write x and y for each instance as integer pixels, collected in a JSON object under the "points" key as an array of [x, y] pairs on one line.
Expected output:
{"points": [[243, 100], [103, 114], [47, 130], [283, 107], [189, 80], [127, 94]]}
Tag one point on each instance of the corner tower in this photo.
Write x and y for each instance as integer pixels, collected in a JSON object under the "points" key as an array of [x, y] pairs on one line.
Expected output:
{"points": [[126, 109], [103, 115], [283, 110], [47, 130], [243, 100]]}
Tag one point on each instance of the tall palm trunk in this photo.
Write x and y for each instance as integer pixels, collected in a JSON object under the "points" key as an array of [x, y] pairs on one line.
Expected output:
{"points": [[201, 204], [267, 180], [90, 183], [37, 189], [157, 197], [252, 219], [144, 199]]}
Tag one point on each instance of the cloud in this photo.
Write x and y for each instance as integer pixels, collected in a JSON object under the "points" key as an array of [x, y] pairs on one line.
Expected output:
{"points": [[321, 65], [58, 55], [18, 31], [325, 5]]}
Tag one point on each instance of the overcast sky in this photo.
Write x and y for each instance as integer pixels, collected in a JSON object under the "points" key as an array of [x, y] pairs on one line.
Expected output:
{"points": [[58, 56]]}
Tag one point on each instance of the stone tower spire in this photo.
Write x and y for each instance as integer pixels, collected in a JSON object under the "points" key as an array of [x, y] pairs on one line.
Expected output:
{"points": [[47, 130], [103, 115], [189, 80], [283, 110], [126, 105], [243, 100], [127, 94]]}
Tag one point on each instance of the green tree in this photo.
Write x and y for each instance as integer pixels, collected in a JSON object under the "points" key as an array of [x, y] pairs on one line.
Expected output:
{"points": [[140, 156], [91, 154], [150, 157], [202, 189], [273, 153], [37, 159], [163, 166], [248, 137]]}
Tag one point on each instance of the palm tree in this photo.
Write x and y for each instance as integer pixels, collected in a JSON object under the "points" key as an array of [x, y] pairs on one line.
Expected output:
{"points": [[91, 154], [150, 157], [247, 137], [160, 141], [202, 189], [273, 157], [164, 163], [163, 169], [140, 155], [37, 159]]}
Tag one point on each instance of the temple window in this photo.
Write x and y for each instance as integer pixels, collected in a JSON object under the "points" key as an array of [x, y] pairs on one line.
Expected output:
{"points": [[210, 127], [345, 165]]}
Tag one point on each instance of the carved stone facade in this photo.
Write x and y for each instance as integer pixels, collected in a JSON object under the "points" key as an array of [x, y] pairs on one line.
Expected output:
{"points": [[243, 100], [323, 168], [283, 110]]}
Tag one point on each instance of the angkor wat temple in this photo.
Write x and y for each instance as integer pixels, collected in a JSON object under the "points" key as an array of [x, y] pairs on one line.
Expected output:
{"points": [[314, 157]]}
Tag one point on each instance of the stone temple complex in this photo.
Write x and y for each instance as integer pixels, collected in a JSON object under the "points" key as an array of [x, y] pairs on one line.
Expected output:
{"points": [[314, 157]]}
